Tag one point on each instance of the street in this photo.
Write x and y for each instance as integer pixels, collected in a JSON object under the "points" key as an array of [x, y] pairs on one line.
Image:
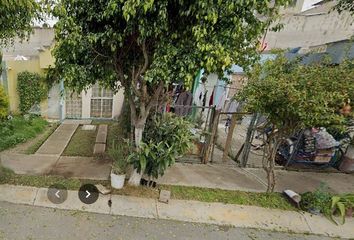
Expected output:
{"points": [[19, 222]]}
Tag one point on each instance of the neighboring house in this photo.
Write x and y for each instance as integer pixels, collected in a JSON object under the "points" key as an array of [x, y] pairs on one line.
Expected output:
{"points": [[337, 51], [35, 56], [311, 23]]}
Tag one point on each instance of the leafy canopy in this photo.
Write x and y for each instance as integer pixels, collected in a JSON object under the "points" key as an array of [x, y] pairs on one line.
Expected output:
{"points": [[163, 41], [16, 18], [294, 95]]}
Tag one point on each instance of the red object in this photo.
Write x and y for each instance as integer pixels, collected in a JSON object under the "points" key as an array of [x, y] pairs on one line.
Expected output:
{"points": [[168, 107]]}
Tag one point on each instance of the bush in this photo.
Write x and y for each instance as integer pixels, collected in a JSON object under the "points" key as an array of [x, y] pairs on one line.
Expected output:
{"points": [[165, 138], [318, 201], [119, 154], [31, 89], [19, 129], [4, 103]]}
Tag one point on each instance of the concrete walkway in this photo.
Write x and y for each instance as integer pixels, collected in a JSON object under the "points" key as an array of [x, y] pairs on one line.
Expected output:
{"points": [[189, 211], [211, 176], [57, 142], [47, 160], [253, 179]]}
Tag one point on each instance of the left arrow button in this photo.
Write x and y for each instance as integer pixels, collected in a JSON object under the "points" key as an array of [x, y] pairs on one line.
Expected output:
{"points": [[57, 193]]}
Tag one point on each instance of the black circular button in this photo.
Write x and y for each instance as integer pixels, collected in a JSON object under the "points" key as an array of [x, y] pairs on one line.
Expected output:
{"points": [[57, 193], [88, 193]]}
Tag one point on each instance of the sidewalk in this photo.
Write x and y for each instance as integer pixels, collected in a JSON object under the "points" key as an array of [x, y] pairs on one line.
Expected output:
{"points": [[189, 211], [253, 179]]}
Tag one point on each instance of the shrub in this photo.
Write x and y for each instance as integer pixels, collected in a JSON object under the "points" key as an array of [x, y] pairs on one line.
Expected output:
{"points": [[318, 201], [119, 154], [31, 89], [19, 129], [4, 103], [166, 138], [342, 204]]}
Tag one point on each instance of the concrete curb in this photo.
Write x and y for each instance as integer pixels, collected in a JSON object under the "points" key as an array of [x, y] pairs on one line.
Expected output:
{"points": [[189, 211]]}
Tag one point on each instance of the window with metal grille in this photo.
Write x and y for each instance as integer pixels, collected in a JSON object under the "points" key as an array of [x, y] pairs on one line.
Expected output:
{"points": [[101, 102], [73, 105]]}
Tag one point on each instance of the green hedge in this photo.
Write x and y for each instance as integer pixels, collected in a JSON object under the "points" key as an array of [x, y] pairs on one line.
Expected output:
{"points": [[31, 89], [19, 129], [4, 103]]}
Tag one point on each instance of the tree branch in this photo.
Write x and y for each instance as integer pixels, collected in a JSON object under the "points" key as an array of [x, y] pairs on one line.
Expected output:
{"points": [[156, 95]]}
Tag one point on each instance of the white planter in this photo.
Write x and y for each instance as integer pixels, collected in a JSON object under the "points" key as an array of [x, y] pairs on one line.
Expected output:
{"points": [[117, 181]]}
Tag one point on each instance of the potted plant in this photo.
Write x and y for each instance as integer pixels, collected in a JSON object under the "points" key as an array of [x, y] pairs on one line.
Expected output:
{"points": [[119, 165]]}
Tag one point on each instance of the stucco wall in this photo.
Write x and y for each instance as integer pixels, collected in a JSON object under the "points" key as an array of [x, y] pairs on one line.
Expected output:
{"points": [[311, 28], [13, 69]]}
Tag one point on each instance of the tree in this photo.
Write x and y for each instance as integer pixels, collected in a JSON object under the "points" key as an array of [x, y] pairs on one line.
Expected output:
{"points": [[144, 46], [16, 18], [294, 96]]}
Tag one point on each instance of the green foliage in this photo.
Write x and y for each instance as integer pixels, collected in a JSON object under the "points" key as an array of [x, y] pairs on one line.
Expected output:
{"points": [[317, 201], [154, 43], [4, 103], [293, 95], [166, 138], [19, 129], [342, 204], [31, 89], [329, 205], [94, 37], [119, 153], [16, 18]]}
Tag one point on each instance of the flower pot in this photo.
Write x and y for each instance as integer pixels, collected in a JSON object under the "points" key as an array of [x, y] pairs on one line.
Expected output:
{"points": [[117, 181]]}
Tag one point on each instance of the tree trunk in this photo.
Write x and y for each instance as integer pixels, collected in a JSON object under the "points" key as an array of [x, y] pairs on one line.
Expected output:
{"points": [[269, 162], [135, 177]]}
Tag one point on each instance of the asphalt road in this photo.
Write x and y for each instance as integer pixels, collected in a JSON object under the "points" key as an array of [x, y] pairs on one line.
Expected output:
{"points": [[19, 222]]}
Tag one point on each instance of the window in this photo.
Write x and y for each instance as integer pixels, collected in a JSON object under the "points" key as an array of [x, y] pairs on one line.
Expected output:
{"points": [[101, 102]]}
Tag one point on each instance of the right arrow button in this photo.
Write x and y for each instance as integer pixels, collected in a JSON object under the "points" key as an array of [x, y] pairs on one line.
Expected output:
{"points": [[88, 193]]}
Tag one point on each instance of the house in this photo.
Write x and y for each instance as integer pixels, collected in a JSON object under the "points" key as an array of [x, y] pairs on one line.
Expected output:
{"points": [[309, 23], [35, 56]]}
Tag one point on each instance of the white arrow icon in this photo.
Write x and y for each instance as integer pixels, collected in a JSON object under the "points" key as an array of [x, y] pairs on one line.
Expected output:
{"points": [[88, 193], [57, 194]]}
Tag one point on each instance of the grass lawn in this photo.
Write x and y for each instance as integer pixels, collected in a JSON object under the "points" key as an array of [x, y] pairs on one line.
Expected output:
{"points": [[273, 200], [19, 130], [81, 143]]}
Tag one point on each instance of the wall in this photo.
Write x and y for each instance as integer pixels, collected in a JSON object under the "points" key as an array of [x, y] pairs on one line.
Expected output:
{"points": [[39, 39], [13, 69], [313, 27]]}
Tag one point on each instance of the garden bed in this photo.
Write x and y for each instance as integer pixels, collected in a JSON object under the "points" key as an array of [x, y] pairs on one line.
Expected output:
{"points": [[81, 143], [19, 129]]}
